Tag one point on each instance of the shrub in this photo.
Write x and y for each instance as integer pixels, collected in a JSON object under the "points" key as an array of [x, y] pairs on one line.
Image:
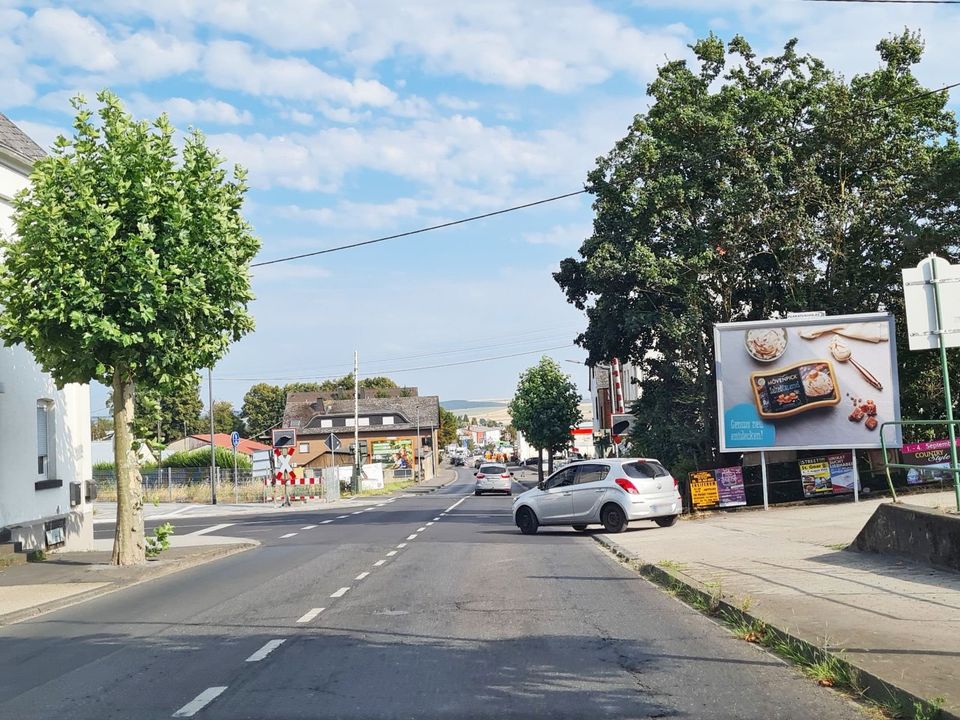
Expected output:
{"points": [[201, 458]]}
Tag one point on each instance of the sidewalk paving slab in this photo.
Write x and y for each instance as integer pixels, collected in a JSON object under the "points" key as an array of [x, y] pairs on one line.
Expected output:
{"points": [[891, 618]]}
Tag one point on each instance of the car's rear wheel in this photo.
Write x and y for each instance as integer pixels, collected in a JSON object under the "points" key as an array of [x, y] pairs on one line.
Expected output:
{"points": [[527, 521], [477, 493], [579, 528], [668, 521], [613, 518]]}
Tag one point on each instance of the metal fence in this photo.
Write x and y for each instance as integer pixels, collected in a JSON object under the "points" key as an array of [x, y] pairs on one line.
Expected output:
{"points": [[187, 485]]}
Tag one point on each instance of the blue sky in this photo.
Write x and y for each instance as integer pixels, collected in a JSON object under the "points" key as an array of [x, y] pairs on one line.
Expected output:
{"points": [[360, 118]]}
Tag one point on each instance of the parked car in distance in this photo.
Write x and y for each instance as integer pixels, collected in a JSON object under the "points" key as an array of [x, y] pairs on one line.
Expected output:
{"points": [[611, 492], [493, 477]]}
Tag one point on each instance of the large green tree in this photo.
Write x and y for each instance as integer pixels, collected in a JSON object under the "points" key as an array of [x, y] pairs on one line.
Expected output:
{"points": [[225, 418], [447, 433], [544, 408], [177, 411], [749, 189], [263, 406], [130, 267]]}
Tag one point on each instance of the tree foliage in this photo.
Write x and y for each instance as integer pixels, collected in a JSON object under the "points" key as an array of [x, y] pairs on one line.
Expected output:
{"points": [[130, 268], [749, 189], [545, 407], [225, 418], [263, 406], [447, 433], [178, 409]]}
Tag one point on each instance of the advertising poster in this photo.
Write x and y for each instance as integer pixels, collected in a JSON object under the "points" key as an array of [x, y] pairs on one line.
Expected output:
{"points": [[841, 472], [934, 454], [730, 486], [815, 476], [704, 493], [807, 383], [396, 454]]}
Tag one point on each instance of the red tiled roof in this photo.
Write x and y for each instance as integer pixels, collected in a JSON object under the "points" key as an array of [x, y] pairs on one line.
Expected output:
{"points": [[247, 447]]}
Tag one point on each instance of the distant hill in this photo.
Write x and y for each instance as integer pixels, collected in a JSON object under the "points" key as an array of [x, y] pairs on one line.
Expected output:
{"points": [[471, 404]]}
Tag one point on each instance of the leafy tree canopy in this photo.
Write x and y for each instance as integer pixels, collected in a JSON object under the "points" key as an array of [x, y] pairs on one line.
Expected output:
{"points": [[749, 189], [447, 433]]}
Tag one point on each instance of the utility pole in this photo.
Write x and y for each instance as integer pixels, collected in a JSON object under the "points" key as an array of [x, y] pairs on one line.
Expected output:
{"points": [[356, 420], [213, 455], [416, 455]]}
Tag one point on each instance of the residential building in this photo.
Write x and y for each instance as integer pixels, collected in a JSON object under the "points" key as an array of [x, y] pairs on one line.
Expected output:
{"points": [[222, 440], [484, 435], [44, 431], [394, 427]]}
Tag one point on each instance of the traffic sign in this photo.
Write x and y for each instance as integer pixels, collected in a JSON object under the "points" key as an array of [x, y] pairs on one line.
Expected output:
{"points": [[284, 437], [332, 442], [234, 438]]}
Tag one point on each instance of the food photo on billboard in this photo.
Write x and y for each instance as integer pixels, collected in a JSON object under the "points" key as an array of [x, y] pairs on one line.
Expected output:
{"points": [[807, 383]]}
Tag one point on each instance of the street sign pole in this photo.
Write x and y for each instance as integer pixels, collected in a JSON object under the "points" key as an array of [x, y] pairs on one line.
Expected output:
{"points": [[213, 447], [235, 440], [947, 397]]}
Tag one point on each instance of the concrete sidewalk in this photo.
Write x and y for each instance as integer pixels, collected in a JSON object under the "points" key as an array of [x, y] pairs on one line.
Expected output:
{"points": [[893, 619]]}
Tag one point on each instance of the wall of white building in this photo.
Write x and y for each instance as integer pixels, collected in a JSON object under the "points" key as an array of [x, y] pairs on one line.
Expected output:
{"points": [[25, 509]]}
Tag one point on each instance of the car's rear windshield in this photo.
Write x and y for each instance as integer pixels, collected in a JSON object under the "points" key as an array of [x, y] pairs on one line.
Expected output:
{"points": [[493, 469], [644, 469]]}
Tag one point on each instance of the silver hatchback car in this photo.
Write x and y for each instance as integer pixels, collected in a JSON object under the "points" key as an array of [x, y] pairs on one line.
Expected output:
{"points": [[610, 492]]}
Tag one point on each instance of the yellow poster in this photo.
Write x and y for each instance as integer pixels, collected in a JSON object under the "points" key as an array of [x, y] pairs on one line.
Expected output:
{"points": [[703, 490]]}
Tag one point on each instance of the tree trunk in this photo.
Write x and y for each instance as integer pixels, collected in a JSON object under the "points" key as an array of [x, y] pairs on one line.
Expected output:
{"points": [[550, 462], [539, 465], [128, 543]]}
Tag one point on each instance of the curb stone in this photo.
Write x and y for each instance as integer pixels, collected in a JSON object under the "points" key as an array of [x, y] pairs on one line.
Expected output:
{"points": [[872, 687], [216, 552]]}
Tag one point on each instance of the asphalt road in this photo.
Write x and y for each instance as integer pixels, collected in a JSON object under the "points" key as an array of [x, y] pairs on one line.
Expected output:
{"points": [[424, 607]]}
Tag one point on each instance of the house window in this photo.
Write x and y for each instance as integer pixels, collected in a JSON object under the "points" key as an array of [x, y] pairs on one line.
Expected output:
{"points": [[364, 421], [326, 423], [304, 447], [45, 438], [348, 422], [388, 419]]}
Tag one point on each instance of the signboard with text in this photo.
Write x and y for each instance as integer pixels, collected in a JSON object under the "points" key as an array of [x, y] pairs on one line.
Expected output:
{"points": [[807, 383], [934, 454], [722, 487]]}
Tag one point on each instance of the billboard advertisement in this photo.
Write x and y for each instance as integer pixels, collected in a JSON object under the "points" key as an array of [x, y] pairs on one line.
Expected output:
{"points": [[722, 487], [396, 454], [807, 383], [830, 475], [934, 454]]}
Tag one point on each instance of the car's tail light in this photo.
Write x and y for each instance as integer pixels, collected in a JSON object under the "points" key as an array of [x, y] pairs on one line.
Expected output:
{"points": [[506, 476], [627, 486], [676, 483], [480, 476]]}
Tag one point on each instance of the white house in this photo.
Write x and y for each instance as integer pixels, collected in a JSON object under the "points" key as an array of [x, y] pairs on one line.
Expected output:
{"points": [[44, 432]]}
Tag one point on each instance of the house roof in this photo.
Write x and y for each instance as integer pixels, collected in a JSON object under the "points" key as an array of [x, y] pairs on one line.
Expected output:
{"points": [[304, 407], [16, 141], [247, 447]]}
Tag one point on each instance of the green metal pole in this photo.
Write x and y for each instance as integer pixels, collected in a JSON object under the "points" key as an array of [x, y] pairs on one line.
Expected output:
{"points": [[948, 398], [886, 466]]}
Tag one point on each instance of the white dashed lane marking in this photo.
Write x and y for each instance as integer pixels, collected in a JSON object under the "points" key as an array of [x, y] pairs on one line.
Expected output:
{"points": [[378, 563], [265, 650], [421, 529], [429, 524], [340, 593], [288, 535], [341, 517], [310, 615], [410, 537], [212, 528], [391, 553], [361, 576], [326, 522], [308, 527], [401, 546], [200, 701], [357, 512], [455, 504]]}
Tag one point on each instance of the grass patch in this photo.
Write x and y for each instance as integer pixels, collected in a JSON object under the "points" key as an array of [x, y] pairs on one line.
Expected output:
{"points": [[838, 546], [672, 565], [387, 489]]}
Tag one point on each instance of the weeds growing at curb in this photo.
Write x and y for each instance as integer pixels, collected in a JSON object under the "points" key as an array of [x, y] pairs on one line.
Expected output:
{"points": [[160, 540], [672, 565]]}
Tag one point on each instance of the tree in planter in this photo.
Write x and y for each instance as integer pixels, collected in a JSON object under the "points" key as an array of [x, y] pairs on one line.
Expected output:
{"points": [[130, 267], [544, 408]]}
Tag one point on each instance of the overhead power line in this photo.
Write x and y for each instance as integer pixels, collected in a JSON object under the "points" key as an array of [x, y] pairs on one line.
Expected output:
{"points": [[461, 221], [703, 160], [409, 369]]}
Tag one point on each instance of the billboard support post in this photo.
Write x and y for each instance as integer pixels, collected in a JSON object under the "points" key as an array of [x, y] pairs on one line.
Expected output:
{"points": [[856, 476], [763, 476]]}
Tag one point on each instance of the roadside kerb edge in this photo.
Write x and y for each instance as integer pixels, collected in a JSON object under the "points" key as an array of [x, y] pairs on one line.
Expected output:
{"points": [[872, 687]]}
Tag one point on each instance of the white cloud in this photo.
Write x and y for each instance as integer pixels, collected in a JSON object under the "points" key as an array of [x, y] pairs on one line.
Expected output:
{"points": [[566, 236], [183, 110], [70, 39], [234, 66], [456, 103]]}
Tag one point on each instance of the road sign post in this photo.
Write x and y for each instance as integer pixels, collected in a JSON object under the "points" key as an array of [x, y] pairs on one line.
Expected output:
{"points": [[924, 288], [235, 440]]}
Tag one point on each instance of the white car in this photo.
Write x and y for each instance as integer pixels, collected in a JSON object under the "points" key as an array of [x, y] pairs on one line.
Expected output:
{"points": [[610, 492], [493, 477]]}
